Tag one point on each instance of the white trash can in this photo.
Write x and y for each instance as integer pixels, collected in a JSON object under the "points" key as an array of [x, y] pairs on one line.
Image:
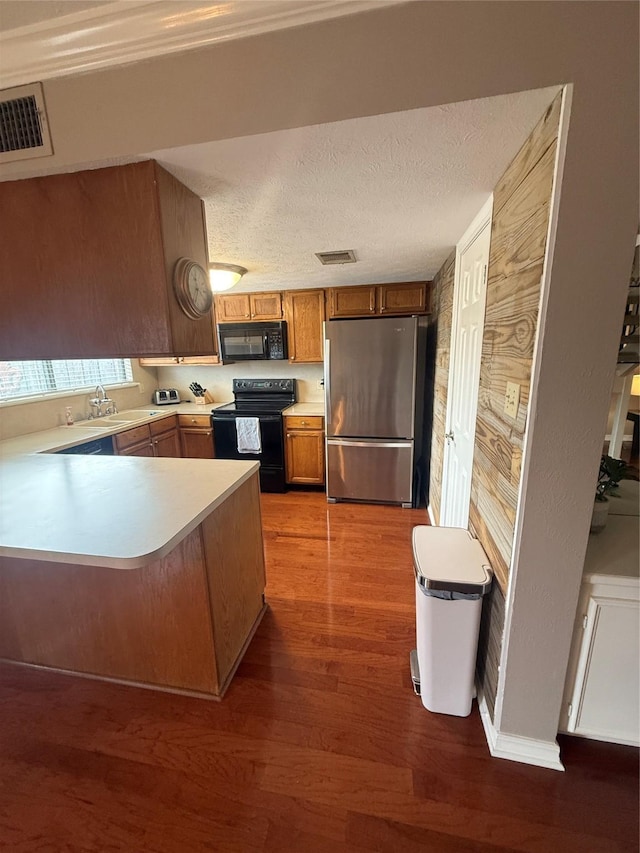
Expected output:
{"points": [[452, 575]]}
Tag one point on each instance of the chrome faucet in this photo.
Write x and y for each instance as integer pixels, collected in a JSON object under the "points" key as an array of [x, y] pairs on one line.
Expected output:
{"points": [[99, 401]]}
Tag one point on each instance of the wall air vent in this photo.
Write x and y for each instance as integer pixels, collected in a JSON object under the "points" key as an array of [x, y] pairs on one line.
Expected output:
{"points": [[24, 130], [345, 256]]}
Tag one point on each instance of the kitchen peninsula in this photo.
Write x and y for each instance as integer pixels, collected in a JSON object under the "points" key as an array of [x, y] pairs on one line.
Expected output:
{"points": [[142, 570]]}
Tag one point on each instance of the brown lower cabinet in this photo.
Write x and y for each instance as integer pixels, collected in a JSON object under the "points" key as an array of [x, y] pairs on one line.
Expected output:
{"points": [[304, 449], [159, 438], [196, 436]]}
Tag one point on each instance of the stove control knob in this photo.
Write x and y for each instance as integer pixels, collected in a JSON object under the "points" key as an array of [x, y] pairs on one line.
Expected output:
{"points": [[269, 384]]}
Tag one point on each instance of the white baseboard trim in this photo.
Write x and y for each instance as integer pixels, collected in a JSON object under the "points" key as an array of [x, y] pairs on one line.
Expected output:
{"points": [[526, 750], [430, 514]]}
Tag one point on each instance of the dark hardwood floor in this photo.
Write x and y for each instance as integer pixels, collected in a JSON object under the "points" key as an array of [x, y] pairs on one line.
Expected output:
{"points": [[319, 744]]}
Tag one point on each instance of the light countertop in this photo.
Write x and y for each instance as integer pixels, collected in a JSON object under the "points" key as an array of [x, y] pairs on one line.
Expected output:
{"points": [[614, 551], [116, 511], [310, 409], [120, 512], [60, 438]]}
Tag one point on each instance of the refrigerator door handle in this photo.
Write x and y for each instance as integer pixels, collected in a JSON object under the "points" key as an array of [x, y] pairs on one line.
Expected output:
{"points": [[345, 442], [327, 375]]}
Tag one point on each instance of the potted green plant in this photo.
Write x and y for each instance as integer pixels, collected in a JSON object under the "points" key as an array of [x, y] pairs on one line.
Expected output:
{"points": [[609, 475]]}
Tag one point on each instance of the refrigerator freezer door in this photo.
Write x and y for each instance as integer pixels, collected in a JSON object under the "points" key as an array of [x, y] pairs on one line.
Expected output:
{"points": [[370, 470], [370, 376]]}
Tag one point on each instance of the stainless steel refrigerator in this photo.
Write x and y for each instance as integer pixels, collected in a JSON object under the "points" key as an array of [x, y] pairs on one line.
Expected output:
{"points": [[373, 389]]}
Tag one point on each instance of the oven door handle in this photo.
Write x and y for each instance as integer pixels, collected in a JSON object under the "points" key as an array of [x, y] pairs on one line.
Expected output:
{"points": [[261, 418]]}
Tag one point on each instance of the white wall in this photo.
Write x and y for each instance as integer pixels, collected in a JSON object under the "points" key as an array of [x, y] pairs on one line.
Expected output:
{"points": [[422, 54]]}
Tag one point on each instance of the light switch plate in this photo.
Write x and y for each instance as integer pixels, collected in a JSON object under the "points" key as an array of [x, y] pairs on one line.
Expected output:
{"points": [[512, 399]]}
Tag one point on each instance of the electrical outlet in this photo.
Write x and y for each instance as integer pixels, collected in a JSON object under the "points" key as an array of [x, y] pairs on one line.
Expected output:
{"points": [[320, 385], [512, 399]]}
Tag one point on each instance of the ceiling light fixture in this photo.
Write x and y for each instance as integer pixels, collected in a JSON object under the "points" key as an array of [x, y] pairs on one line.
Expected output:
{"points": [[224, 276]]}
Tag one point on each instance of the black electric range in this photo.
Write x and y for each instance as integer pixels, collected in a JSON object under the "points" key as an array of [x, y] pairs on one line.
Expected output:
{"points": [[265, 400]]}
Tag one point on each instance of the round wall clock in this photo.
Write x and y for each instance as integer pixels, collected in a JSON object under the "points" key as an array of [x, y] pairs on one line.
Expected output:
{"points": [[191, 285]]}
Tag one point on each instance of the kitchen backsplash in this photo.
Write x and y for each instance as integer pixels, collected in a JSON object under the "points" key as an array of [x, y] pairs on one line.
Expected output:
{"points": [[218, 380]]}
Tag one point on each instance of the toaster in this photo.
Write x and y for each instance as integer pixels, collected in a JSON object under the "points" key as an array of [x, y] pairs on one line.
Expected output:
{"points": [[164, 396]]}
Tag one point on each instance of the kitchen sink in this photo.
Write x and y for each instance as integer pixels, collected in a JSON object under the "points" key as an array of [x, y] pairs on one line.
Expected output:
{"points": [[119, 419], [129, 417]]}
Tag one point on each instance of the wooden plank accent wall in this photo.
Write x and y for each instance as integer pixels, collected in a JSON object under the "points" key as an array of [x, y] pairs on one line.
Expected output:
{"points": [[518, 241], [442, 316], [490, 644]]}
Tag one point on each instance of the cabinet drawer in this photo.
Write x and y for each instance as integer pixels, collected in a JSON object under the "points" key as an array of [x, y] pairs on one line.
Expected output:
{"points": [[129, 437], [203, 421], [304, 422], [163, 425]]}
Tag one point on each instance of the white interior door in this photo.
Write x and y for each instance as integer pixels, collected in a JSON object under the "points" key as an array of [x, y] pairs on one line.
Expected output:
{"points": [[469, 299]]}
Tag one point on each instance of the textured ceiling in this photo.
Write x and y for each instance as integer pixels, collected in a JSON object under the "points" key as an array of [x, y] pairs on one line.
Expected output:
{"points": [[398, 189]]}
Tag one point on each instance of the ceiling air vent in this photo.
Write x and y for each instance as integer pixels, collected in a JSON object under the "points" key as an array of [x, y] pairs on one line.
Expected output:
{"points": [[24, 130], [345, 256]]}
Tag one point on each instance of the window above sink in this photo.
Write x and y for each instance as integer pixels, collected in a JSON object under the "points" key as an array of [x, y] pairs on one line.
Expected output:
{"points": [[31, 380]]}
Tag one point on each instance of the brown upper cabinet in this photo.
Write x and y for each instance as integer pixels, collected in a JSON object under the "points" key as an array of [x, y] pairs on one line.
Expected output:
{"points": [[410, 297], [304, 313], [236, 307], [358, 301], [87, 260]]}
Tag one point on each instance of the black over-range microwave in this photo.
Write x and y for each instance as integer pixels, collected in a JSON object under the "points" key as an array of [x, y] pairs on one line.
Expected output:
{"points": [[253, 341]]}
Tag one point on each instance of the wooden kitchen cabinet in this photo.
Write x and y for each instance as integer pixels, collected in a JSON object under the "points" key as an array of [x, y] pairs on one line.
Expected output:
{"points": [[304, 313], [165, 437], [304, 449], [411, 297], [95, 252], [233, 308], [265, 306], [376, 300], [145, 448], [236, 307], [351, 301], [196, 436], [158, 438]]}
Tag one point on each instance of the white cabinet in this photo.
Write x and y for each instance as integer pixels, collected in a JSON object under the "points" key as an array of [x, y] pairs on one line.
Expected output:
{"points": [[602, 690]]}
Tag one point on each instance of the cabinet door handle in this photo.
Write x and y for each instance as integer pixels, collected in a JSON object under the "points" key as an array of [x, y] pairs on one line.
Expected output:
{"points": [[303, 423]]}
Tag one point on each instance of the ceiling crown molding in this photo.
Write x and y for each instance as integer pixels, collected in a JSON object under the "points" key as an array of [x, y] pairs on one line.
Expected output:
{"points": [[121, 32]]}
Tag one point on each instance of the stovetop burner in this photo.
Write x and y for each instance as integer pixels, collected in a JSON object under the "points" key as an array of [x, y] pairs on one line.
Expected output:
{"points": [[258, 406], [262, 395]]}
